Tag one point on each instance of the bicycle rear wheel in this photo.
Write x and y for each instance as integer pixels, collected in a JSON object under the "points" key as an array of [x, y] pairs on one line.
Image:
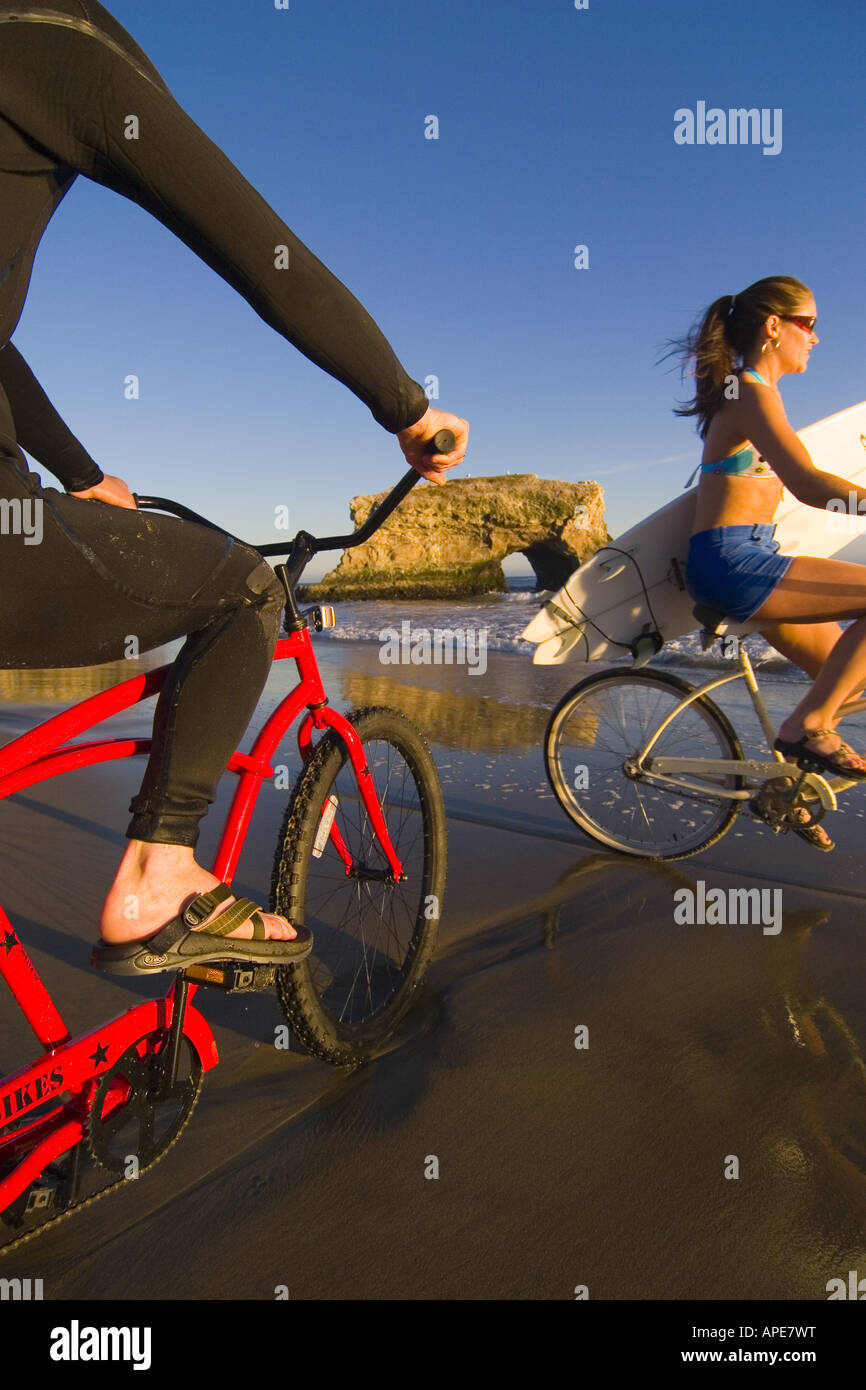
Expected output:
{"points": [[602, 724], [373, 938]]}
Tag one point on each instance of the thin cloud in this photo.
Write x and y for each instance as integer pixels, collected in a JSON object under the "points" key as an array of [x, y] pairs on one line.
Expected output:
{"points": [[642, 463]]}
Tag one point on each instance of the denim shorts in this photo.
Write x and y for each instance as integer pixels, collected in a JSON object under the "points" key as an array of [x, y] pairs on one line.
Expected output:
{"points": [[735, 568]]}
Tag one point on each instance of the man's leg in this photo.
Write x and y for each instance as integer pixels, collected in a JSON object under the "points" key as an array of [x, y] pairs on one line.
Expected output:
{"points": [[101, 575]]}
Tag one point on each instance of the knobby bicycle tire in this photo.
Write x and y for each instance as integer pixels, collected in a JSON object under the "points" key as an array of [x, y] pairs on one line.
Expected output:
{"points": [[369, 936]]}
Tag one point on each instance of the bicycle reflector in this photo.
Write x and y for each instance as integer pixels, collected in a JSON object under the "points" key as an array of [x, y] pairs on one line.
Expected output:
{"points": [[322, 616], [329, 810]]}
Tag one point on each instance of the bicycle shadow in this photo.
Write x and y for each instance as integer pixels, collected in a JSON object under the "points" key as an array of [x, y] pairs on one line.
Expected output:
{"points": [[386, 1090], [72, 820], [819, 1053]]}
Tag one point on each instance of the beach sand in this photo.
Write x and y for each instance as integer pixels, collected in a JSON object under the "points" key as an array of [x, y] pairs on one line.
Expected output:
{"points": [[558, 1166]]}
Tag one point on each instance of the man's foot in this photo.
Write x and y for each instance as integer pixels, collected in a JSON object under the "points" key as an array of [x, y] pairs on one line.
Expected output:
{"points": [[154, 884], [197, 937]]}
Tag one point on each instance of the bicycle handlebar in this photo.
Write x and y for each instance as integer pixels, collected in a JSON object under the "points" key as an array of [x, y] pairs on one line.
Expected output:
{"points": [[442, 443]]}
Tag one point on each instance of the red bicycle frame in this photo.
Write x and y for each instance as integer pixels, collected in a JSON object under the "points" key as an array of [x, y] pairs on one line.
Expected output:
{"points": [[73, 1066]]}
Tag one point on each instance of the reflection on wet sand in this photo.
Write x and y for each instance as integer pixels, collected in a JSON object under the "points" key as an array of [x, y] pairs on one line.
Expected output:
{"points": [[68, 684], [473, 723], [825, 1086], [832, 1091]]}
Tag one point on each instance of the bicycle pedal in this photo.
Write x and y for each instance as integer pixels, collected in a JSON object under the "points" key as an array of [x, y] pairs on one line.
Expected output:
{"points": [[41, 1198], [233, 977], [322, 616]]}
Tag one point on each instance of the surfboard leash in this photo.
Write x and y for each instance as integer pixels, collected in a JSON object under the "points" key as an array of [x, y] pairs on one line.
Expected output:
{"points": [[630, 557], [590, 622], [586, 621]]}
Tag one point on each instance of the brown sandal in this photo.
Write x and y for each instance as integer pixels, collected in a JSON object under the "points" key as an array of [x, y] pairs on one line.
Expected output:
{"points": [[809, 830], [811, 760], [183, 941], [812, 832]]}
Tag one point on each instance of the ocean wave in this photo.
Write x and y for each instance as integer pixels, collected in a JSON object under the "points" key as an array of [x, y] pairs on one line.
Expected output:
{"points": [[503, 617]]}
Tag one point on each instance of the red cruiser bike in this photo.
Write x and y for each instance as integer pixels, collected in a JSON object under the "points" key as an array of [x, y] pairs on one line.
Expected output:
{"points": [[360, 861]]}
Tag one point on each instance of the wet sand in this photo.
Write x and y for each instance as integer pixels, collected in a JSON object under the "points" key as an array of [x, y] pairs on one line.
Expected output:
{"points": [[558, 1166]]}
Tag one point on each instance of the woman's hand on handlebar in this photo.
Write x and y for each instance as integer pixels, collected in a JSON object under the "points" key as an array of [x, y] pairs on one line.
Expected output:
{"points": [[111, 490], [412, 440]]}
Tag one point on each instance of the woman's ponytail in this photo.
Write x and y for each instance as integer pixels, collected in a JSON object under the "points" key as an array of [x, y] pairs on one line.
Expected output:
{"points": [[717, 342]]}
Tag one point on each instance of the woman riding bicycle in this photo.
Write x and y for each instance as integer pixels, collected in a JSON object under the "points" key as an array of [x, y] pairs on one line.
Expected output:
{"points": [[740, 349], [70, 76]]}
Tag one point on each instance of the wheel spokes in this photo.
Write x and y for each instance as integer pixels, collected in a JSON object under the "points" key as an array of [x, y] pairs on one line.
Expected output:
{"points": [[602, 732]]}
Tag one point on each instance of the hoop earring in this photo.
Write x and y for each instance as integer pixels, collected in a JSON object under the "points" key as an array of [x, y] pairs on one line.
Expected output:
{"points": [[776, 343]]}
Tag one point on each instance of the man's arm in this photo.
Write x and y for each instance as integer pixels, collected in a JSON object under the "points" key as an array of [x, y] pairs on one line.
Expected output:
{"points": [[40, 430], [105, 117]]}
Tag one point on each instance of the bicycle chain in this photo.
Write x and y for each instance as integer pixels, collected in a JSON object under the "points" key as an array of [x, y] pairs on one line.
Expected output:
{"points": [[103, 1191]]}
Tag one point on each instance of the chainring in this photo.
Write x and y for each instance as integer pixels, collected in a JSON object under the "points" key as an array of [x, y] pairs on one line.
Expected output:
{"points": [[136, 1113]]}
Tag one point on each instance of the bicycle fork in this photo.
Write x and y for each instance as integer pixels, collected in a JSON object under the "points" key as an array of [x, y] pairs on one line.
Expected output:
{"points": [[325, 717]]}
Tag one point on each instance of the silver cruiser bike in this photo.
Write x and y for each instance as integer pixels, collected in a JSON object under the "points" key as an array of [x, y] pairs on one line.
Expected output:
{"points": [[646, 763]]}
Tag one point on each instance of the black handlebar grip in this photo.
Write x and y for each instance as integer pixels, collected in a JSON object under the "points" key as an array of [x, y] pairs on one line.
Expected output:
{"points": [[442, 442]]}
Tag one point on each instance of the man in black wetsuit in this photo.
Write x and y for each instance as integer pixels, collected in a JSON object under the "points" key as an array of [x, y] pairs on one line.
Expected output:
{"points": [[70, 76]]}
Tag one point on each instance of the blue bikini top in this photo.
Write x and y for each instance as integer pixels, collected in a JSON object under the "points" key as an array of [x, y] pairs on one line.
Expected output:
{"points": [[746, 463]]}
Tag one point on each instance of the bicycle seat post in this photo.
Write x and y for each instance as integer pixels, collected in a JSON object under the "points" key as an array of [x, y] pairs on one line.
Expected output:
{"points": [[758, 702], [178, 1009]]}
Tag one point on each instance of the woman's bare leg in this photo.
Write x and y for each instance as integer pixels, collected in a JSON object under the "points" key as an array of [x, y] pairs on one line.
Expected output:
{"points": [[812, 593], [807, 646]]}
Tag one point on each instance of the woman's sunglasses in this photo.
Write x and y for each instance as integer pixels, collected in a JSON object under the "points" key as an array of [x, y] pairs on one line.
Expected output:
{"points": [[803, 321]]}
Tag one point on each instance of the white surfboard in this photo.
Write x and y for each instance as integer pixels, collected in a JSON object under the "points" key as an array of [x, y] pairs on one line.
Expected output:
{"points": [[637, 579]]}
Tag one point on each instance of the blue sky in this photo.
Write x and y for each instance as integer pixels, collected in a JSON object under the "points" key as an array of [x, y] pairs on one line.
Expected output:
{"points": [[556, 129]]}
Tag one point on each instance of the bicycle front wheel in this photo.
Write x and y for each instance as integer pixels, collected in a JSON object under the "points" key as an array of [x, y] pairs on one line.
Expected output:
{"points": [[599, 728], [373, 937]]}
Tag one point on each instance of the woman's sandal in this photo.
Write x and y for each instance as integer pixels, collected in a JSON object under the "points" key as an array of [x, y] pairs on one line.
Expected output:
{"points": [[177, 945], [811, 760], [813, 833], [809, 830]]}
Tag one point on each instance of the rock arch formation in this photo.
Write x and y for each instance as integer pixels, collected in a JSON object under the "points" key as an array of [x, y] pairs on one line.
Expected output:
{"points": [[451, 541]]}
